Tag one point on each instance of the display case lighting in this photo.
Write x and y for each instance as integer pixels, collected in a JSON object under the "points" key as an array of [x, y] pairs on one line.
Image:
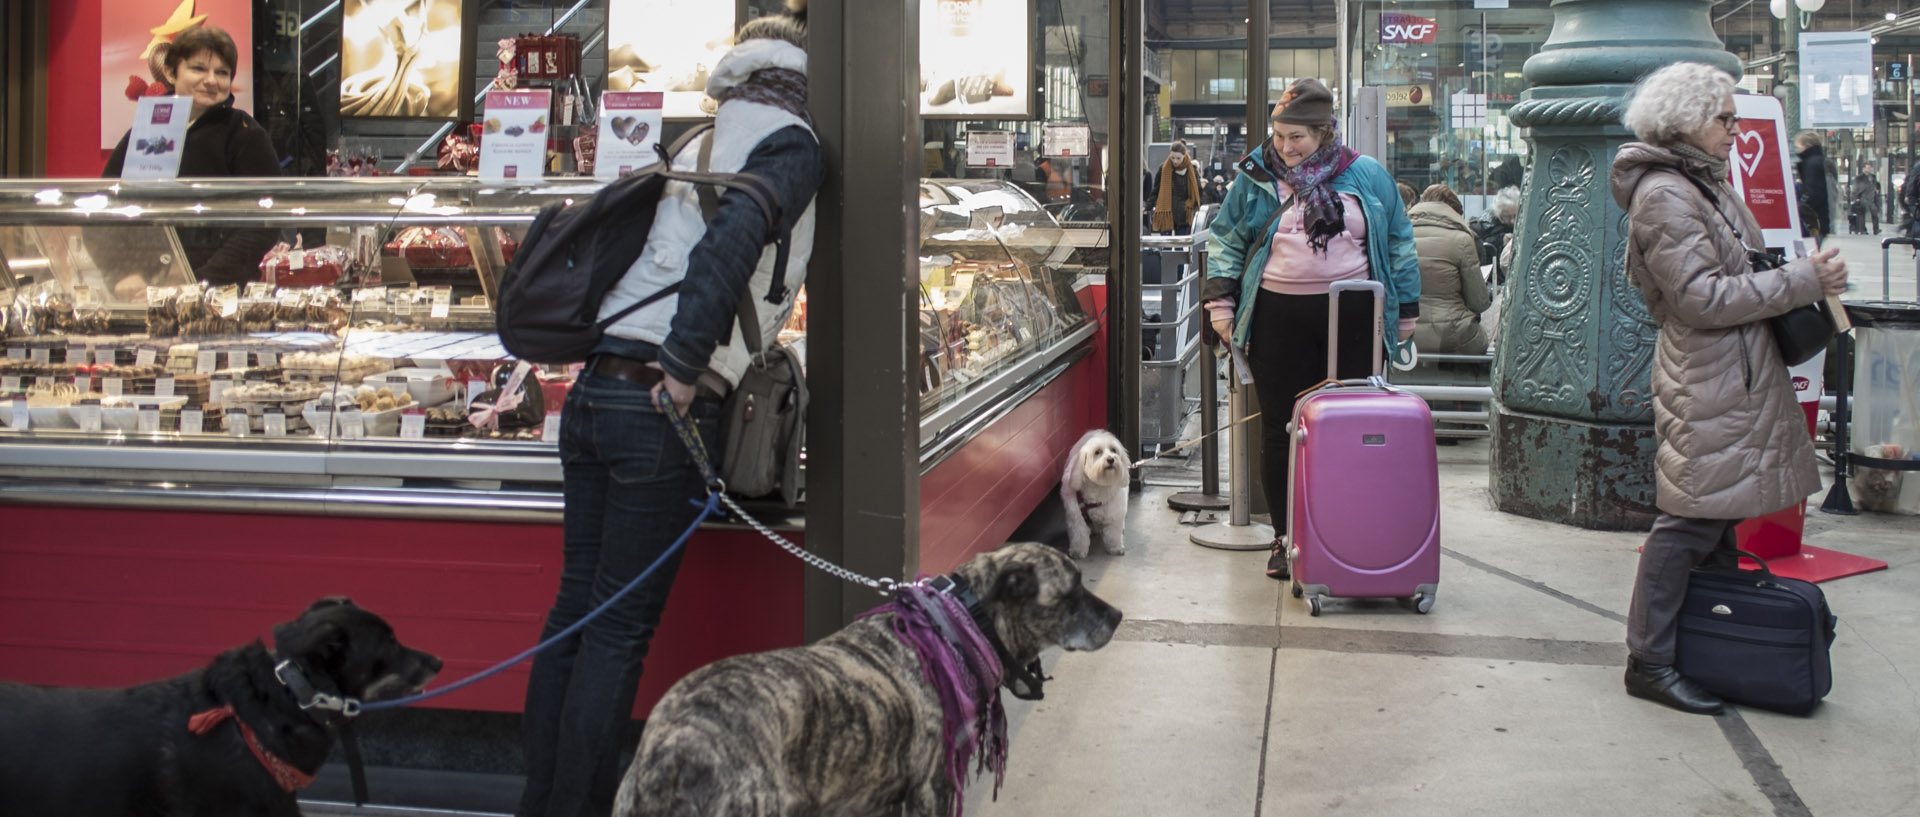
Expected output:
{"points": [[88, 204], [51, 195], [266, 203]]}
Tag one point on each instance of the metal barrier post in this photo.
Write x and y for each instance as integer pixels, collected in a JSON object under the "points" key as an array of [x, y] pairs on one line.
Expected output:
{"points": [[1239, 532], [1839, 500], [1208, 498]]}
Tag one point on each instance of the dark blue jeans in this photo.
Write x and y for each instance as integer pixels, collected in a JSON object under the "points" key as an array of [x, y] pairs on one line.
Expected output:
{"points": [[629, 484]]}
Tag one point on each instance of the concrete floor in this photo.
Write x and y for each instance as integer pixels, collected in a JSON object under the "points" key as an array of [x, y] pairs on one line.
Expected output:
{"points": [[1220, 695]]}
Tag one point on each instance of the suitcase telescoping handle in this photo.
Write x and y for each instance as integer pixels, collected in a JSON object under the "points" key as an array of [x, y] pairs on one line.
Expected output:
{"points": [[1379, 292]]}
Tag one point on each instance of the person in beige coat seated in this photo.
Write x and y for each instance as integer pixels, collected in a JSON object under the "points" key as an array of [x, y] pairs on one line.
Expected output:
{"points": [[1452, 291], [1732, 439]]}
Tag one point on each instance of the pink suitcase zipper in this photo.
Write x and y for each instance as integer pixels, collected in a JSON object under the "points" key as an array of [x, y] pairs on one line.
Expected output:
{"points": [[1364, 486]]}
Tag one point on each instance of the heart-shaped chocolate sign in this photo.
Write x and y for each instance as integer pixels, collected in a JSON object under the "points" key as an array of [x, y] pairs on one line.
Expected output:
{"points": [[1749, 149]]}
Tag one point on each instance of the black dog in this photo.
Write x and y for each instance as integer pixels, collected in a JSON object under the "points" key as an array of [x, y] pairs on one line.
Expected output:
{"points": [[235, 738]]}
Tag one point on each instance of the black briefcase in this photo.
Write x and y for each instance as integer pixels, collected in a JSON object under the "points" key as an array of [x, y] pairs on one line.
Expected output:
{"points": [[1756, 638]]}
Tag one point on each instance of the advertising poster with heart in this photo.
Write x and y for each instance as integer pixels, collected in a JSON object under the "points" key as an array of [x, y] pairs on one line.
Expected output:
{"points": [[1762, 168], [153, 145], [513, 135], [629, 130]]}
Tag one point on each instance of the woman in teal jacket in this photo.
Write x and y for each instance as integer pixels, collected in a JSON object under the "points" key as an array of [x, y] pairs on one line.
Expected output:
{"points": [[1269, 268]]}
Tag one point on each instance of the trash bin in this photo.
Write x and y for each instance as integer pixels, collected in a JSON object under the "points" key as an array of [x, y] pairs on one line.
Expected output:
{"points": [[1885, 428]]}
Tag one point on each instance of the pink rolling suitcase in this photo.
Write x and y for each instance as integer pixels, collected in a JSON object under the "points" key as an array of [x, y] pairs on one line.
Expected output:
{"points": [[1364, 484]]}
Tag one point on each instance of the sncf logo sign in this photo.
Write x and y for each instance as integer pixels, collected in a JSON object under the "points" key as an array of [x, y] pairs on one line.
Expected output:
{"points": [[1400, 29]]}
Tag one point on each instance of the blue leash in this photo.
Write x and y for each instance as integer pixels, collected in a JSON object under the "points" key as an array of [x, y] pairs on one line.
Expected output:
{"points": [[715, 488]]}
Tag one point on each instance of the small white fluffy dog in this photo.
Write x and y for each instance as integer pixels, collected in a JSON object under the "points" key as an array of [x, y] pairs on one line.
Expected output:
{"points": [[1094, 491]]}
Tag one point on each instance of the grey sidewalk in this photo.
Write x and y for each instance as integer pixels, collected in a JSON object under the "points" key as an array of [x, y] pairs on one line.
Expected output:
{"points": [[1220, 695]]}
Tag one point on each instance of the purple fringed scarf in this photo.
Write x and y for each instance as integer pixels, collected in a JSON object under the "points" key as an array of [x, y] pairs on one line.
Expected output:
{"points": [[964, 671], [779, 87], [1321, 209]]}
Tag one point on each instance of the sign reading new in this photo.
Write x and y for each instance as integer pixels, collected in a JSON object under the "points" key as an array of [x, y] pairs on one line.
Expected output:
{"points": [[1405, 29]]}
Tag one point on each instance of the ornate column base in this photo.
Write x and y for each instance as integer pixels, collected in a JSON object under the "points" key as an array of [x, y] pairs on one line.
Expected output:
{"points": [[1594, 475]]}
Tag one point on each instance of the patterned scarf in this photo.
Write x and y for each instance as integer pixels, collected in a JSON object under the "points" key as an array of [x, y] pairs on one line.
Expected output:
{"points": [[1717, 167], [779, 87], [1321, 208]]}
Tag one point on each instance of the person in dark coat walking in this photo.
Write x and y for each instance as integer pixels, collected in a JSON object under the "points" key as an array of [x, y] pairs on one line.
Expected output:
{"points": [[1810, 170]]}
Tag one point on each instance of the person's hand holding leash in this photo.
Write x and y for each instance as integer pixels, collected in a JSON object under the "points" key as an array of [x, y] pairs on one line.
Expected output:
{"points": [[1224, 328], [680, 393]]}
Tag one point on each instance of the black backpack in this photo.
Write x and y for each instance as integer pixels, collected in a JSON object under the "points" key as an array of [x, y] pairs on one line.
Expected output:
{"points": [[574, 254]]}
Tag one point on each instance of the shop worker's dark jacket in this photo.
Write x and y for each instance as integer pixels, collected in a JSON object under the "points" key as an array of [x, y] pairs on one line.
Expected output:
{"points": [[224, 141]]}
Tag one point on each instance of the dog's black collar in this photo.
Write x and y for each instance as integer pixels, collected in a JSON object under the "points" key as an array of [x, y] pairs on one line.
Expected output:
{"points": [[312, 699], [1025, 682]]}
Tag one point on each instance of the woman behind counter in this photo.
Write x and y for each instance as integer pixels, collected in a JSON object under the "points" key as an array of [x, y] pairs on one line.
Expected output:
{"points": [[221, 141]]}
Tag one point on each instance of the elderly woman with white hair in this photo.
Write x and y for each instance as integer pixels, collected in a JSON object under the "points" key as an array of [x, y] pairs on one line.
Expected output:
{"points": [[1732, 439]]}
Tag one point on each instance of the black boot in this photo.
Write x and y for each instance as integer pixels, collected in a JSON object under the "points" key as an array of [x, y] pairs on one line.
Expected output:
{"points": [[1661, 683]]}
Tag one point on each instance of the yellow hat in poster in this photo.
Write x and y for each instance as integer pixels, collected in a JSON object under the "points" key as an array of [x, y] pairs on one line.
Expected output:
{"points": [[182, 19]]}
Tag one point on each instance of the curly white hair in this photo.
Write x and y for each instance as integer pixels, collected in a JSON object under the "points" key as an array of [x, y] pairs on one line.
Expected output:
{"points": [[1675, 101]]}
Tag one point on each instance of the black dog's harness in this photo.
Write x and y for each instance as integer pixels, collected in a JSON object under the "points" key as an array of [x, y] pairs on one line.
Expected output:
{"points": [[1025, 682]]}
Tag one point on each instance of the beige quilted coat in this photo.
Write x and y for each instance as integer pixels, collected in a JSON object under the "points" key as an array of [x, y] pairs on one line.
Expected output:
{"points": [[1453, 293], [1733, 440]]}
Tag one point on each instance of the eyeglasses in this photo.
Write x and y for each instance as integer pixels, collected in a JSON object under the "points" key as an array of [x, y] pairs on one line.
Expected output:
{"points": [[1728, 121]]}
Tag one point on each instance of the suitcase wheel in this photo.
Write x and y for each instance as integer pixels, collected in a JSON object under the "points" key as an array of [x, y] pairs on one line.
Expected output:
{"points": [[1296, 590], [1313, 605], [1423, 602]]}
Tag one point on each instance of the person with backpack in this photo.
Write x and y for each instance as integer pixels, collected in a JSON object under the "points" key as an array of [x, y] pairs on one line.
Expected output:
{"points": [[627, 477]]}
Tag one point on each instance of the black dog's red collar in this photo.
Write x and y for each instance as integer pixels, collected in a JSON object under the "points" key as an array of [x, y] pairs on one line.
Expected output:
{"points": [[284, 773]]}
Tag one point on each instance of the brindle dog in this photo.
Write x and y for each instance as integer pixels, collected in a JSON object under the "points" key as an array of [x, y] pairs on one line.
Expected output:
{"points": [[847, 726], [143, 750]]}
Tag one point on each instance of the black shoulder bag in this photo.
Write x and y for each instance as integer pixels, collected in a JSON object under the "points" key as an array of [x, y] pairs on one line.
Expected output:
{"points": [[1800, 332]]}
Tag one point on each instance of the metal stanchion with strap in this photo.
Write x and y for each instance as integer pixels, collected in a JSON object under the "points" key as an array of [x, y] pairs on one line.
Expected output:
{"points": [[1239, 532]]}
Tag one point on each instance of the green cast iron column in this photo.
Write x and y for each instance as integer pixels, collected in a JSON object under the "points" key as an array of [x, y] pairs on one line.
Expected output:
{"points": [[1572, 420]]}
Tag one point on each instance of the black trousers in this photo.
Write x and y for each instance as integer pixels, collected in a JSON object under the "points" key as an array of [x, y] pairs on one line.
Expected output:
{"points": [[1673, 549], [1288, 354]]}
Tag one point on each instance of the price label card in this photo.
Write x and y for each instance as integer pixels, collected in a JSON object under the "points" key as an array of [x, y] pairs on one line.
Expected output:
{"points": [[218, 387], [78, 356], [237, 423], [442, 302], [147, 420], [192, 421], [22, 419], [353, 424], [990, 148], [403, 305], [112, 386], [413, 424], [269, 360], [513, 145], [83, 383], [274, 422], [86, 414], [159, 132], [630, 125], [321, 418], [16, 353], [474, 388], [236, 360], [10, 383], [43, 356], [550, 432], [143, 356], [205, 362], [163, 386]]}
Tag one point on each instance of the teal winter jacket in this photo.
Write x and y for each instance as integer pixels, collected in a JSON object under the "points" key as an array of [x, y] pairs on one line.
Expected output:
{"points": [[1236, 254]]}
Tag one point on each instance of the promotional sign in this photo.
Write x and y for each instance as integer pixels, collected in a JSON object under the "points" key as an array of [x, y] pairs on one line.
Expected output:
{"points": [[1397, 28], [1066, 140], [134, 40], [1836, 80], [668, 46], [1761, 164], [513, 137], [404, 59], [989, 148], [629, 128], [1409, 96], [976, 59], [159, 129]]}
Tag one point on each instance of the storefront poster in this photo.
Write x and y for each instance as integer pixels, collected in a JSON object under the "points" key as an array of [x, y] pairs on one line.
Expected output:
{"points": [[1066, 140], [405, 59], [668, 46], [1836, 80], [513, 136], [1762, 168], [991, 148], [153, 144], [1409, 96], [629, 128], [976, 59], [134, 38]]}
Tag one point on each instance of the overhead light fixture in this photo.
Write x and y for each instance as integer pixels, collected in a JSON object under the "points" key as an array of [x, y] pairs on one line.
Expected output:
{"points": [[1892, 16]]}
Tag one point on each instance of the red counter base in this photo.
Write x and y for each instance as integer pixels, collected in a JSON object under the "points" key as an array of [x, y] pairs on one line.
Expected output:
{"points": [[1777, 538], [110, 598]]}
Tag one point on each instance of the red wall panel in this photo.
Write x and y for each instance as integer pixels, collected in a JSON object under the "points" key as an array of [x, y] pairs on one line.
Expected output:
{"points": [[73, 90], [116, 597]]}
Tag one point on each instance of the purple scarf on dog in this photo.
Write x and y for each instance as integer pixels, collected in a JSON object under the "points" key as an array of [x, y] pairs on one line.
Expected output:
{"points": [[964, 670], [1320, 208]]}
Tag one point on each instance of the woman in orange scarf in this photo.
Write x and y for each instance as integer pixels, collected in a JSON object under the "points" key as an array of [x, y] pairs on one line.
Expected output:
{"points": [[1178, 186]]}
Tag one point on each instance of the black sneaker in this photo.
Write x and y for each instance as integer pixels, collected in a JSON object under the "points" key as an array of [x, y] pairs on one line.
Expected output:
{"points": [[1277, 561]]}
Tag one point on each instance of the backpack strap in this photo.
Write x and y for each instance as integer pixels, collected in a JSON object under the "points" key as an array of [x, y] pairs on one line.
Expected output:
{"points": [[744, 314]]}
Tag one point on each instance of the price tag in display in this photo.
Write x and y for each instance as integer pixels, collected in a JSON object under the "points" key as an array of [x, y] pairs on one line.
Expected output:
{"points": [[550, 431], [442, 302], [16, 353], [147, 420], [321, 418], [353, 424], [237, 423], [86, 414], [10, 383], [274, 421], [269, 360], [474, 388], [143, 356], [163, 386], [403, 305], [218, 387], [78, 356], [43, 356], [192, 420], [206, 362], [83, 383], [413, 424], [236, 360], [22, 419], [112, 386]]}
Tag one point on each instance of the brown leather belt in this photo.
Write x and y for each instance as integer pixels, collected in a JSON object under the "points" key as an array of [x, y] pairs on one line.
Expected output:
{"points": [[638, 372]]}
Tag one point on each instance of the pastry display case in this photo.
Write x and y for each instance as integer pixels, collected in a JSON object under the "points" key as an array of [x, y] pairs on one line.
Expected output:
{"points": [[361, 355]]}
